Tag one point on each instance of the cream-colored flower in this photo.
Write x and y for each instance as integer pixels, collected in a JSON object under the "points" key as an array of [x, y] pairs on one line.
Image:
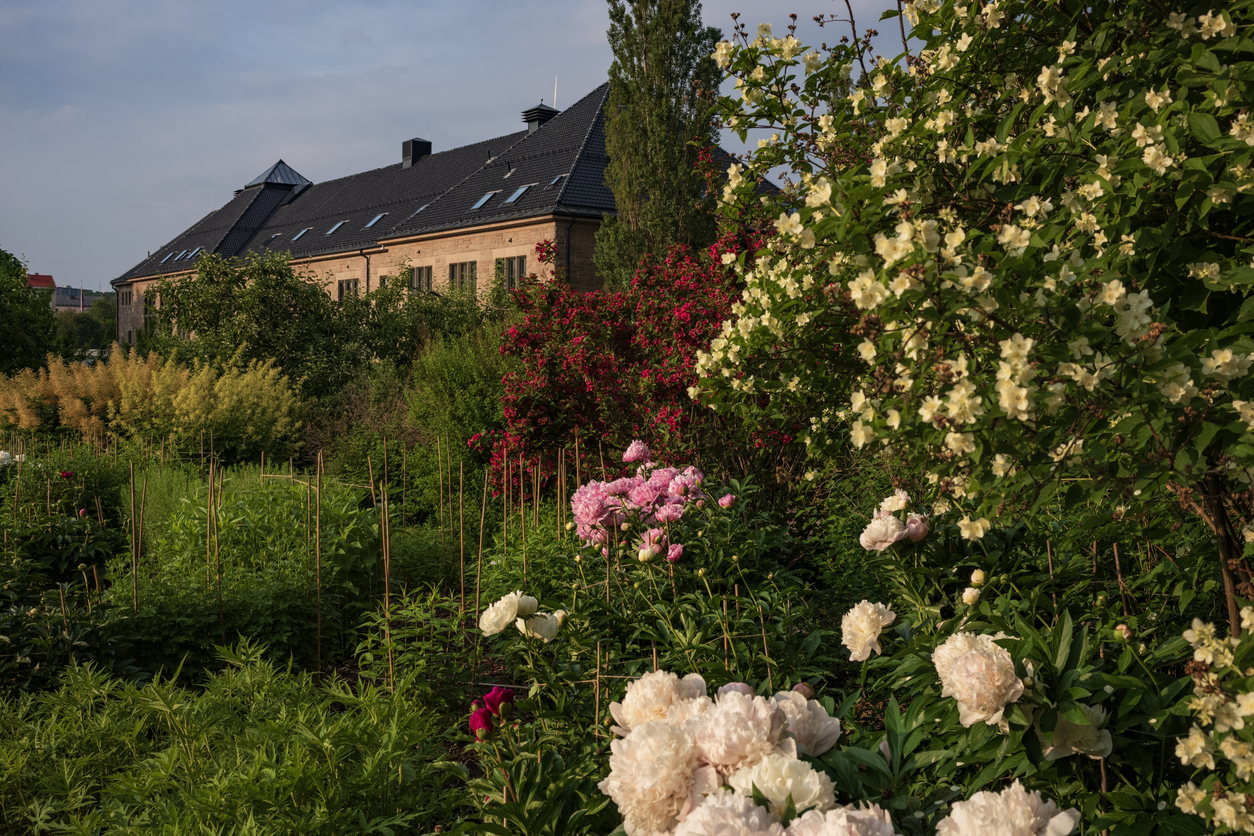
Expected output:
{"points": [[861, 627], [724, 812], [850, 820], [970, 596], [653, 697], [881, 533], [1196, 748], [813, 729], [973, 529], [1076, 739], [650, 776], [1012, 812], [979, 674], [779, 777], [503, 613], [542, 625], [738, 731]]}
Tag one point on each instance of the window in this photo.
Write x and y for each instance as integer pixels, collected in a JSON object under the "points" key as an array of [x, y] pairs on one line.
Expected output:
{"points": [[512, 270], [419, 209], [347, 287], [302, 232], [522, 190], [337, 226], [180, 255], [383, 281], [422, 279], [192, 254], [461, 277], [479, 203], [272, 237], [167, 257], [375, 220], [555, 181], [124, 298]]}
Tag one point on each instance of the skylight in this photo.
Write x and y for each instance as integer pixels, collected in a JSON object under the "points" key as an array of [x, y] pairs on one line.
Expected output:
{"points": [[167, 257], [302, 232], [522, 190], [479, 203], [419, 209], [192, 254], [180, 255], [375, 220], [337, 226], [555, 181]]}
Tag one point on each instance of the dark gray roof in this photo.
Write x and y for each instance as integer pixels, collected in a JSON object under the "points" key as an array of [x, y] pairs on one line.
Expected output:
{"points": [[562, 162]]}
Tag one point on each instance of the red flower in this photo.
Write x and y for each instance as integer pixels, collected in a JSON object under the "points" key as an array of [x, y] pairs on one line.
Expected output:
{"points": [[497, 699], [481, 723]]}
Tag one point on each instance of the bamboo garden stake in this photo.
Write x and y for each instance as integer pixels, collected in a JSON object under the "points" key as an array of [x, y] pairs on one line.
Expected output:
{"points": [[318, 554], [461, 527], [134, 555]]}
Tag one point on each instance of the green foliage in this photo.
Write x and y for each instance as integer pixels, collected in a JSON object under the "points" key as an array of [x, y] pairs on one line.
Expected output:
{"points": [[27, 324], [256, 750], [661, 71]]}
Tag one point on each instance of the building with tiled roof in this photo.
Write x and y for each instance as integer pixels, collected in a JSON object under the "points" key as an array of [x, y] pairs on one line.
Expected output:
{"points": [[442, 219]]}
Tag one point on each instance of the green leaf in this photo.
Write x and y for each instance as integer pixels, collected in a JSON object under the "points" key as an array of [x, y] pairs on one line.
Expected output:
{"points": [[1204, 127]]}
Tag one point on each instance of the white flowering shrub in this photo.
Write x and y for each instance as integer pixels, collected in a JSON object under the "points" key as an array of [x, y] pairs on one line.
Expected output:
{"points": [[1021, 255]]}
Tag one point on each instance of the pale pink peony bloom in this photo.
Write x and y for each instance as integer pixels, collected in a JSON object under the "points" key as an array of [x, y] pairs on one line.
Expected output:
{"points": [[637, 451], [542, 625], [851, 820], [727, 500], [738, 731], [729, 814], [1076, 739], [654, 541], [742, 687], [778, 776], [685, 486], [671, 512], [652, 696], [814, 730], [622, 487], [979, 674], [650, 778], [1012, 812], [500, 615], [591, 504], [804, 690], [861, 627], [882, 532], [675, 552], [916, 527]]}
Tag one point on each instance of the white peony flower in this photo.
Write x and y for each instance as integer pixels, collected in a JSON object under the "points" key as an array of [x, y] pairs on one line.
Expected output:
{"points": [[650, 777], [814, 730], [897, 502], [1075, 739], [979, 674], [1012, 812], [652, 697], [778, 776], [738, 731], [861, 627], [501, 614], [882, 533], [970, 596], [844, 821], [725, 813], [539, 626]]}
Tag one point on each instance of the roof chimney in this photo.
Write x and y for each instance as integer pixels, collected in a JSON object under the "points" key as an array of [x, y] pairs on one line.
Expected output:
{"points": [[413, 150], [537, 116]]}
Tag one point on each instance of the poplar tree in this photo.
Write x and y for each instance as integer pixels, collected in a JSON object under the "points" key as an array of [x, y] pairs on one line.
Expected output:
{"points": [[661, 85]]}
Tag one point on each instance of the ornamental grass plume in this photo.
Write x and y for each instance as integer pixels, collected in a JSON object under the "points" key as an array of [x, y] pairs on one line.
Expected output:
{"points": [[1012, 812], [979, 674], [861, 627]]}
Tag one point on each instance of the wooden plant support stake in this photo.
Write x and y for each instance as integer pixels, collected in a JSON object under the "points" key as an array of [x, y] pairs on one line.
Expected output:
{"points": [[1049, 557], [385, 464], [202, 452], [308, 514], [318, 554], [404, 479], [439, 475], [134, 554], [461, 527], [483, 515], [725, 639], [261, 480], [505, 511], [374, 499], [143, 504], [387, 590], [65, 621], [448, 461], [217, 550], [535, 497], [578, 478], [601, 449], [522, 516], [766, 650], [597, 692], [209, 527], [1123, 595]]}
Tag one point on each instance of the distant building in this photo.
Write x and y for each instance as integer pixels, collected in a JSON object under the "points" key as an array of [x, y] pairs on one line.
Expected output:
{"points": [[453, 217], [74, 299], [40, 282]]}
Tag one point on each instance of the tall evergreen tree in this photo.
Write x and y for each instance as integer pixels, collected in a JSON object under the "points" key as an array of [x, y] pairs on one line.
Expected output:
{"points": [[27, 324], [661, 66]]}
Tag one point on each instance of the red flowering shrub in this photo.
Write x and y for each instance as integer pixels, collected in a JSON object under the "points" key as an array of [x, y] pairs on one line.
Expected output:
{"points": [[615, 366]]}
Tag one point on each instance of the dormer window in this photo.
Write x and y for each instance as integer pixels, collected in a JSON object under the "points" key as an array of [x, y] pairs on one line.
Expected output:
{"points": [[375, 220], [522, 190], [296, 237], [481, 201], [192, 254], [167, 257], [337, 226], [180, 255], [556, 181]]}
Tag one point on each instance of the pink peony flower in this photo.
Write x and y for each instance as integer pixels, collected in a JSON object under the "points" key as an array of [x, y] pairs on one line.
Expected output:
{"points": [[622, 487], [481, 723], [727, 500], [82, 512], [637, 451], [654, 541], [499, 699], [804, 690], [916, 527], [67, 474], [675, 552]]}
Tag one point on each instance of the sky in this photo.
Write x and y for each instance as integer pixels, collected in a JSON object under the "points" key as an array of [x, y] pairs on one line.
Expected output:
{"points": [[123, 122]]}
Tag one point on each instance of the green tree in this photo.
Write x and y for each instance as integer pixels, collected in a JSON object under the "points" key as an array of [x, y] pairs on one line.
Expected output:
{"points": [[661, 74], [27, 324]]}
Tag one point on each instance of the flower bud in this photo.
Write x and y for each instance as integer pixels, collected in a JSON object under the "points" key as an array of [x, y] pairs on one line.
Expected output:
{"points": [[971, 596], [1123, 633], [645, 555], [570, 526], [675, 552], [977, 577], [727, 501], [735, 558], [701, 572], [916, 528], [82, 512], [804, 690], [625, 527], [579, 558]]}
